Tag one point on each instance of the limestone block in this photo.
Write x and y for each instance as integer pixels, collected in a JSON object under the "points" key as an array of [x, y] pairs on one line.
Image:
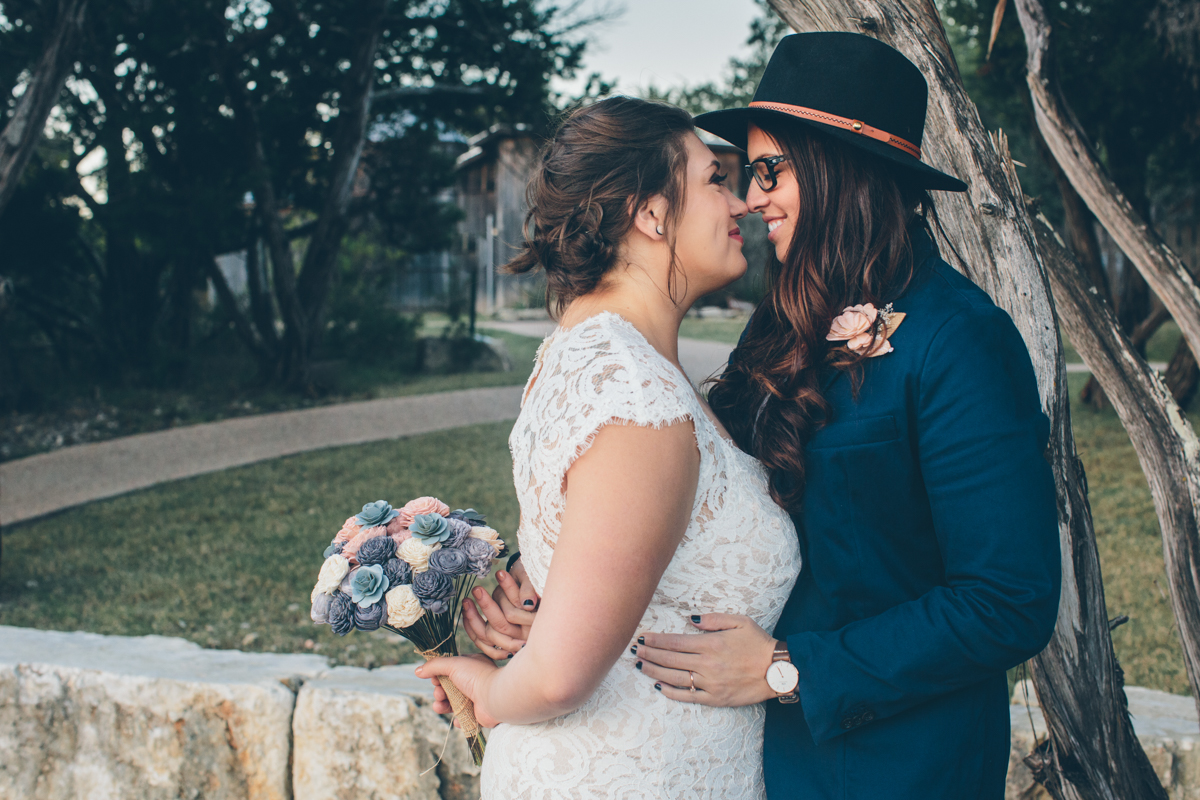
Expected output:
{"points": [[102, 717], [371, 735], [1166, 725]]}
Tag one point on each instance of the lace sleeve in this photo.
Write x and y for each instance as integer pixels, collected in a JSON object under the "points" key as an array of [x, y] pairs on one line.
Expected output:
{"points": [[613, 381], [601, 372]]}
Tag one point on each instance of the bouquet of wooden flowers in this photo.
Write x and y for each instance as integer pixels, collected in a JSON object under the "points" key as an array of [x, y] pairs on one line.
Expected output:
{"points": [[407, 571]]}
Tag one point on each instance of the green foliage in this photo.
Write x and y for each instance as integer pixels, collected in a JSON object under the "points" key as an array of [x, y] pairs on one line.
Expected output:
{"points": [[179, 96], [1131, 94]]}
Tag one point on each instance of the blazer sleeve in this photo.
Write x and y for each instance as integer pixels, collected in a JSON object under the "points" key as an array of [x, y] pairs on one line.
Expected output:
{"points": [[981, 436]]}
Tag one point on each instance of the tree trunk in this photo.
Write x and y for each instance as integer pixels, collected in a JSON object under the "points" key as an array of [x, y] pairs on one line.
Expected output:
{"points": [[302, 298], [1182, 375], [316, 277], [1161, 268], [1172, 282], [1167, 447], [1093, 753], [21, 134]]}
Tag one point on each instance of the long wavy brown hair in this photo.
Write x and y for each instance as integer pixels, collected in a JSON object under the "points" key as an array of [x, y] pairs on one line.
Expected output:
{"points": [[850, 245]]}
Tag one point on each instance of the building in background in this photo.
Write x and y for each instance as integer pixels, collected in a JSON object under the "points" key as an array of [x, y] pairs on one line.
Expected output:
{"points": [[492, 176]]}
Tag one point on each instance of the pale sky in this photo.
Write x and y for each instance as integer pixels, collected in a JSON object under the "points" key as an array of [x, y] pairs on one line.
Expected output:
{"points": [[665, 42]]}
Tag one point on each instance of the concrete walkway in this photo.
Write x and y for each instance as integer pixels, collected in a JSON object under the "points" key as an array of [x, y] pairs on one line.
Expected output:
{"points": [[43, 484]]}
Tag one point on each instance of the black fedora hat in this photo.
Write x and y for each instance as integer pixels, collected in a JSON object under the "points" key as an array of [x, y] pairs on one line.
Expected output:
{"points": [[848, 86]]}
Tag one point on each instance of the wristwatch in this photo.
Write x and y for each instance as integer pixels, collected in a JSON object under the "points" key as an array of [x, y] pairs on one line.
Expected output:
{"points": [[782, 675]]}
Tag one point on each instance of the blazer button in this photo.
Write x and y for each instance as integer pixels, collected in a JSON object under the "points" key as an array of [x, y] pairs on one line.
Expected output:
{"points": [[868, 716], [847, 723]]}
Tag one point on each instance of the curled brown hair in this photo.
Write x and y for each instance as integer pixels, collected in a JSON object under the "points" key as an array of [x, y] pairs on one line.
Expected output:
{"points": [[605, 161], [850, 245]]}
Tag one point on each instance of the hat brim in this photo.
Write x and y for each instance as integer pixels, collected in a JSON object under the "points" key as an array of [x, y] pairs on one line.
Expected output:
{"points": [[731, 125]]}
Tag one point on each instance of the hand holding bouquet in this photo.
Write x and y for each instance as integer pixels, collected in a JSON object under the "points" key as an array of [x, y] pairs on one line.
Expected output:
{"points": [[407, 571]]}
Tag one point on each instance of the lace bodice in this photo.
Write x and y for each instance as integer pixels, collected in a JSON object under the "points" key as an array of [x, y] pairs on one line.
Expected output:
{"points": [[739, 555]]}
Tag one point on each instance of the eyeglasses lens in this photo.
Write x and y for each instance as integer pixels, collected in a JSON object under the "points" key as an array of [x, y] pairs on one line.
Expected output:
{"points": [[763, 175]]}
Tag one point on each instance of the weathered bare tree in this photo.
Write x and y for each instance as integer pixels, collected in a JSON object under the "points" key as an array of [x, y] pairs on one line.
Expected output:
{"points": [[1166, 444], [1161, 267], [1167, 447], [21, 134], [1093, 752]]}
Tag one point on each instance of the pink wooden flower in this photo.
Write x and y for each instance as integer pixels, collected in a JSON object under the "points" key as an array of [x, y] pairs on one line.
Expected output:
{"points": [[853, 321], [422, 505], [853, 326], [350, 529]]}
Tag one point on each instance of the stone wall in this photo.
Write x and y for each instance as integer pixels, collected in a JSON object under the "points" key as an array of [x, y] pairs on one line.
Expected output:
{"points": [[111, 717], [108, 717], [1166, 725]]}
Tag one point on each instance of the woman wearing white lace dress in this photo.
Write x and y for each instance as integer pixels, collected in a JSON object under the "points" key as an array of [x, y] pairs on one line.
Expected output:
{"points": [[637, 511]]}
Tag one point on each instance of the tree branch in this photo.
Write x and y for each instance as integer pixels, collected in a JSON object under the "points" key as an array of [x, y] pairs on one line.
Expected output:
{"points": [[1167, 447], [21, 134], [241, 323], [348, 136], [1157, 263]]}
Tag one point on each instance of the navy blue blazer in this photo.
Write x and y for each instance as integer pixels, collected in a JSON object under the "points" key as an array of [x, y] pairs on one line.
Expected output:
{"points": [[931, 560]]}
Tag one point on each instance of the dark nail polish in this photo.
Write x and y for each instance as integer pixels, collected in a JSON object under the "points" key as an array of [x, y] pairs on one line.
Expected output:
{"points": [[537, 605], [510, 655], [528, 603], [695, 619], [633, 650], [638, 665], [658, 686]]}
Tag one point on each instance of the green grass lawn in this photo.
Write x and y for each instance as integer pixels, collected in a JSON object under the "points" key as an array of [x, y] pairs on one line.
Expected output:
{"points": [[1130, 544], [228, 560], [717, 330]]}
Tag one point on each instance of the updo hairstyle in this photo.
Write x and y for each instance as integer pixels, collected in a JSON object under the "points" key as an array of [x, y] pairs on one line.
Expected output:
{"points": [[604, 162]]}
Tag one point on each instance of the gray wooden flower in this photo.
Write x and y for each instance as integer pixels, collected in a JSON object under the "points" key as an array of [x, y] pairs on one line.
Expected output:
{"points": [[431, 586], [398, 572], [341, 613], [481, 554], [430, 529], [376, 551], [369, 618], [368, 585], [378, 513], [449, 561]]}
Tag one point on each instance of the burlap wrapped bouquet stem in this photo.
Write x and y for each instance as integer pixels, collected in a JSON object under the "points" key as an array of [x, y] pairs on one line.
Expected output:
{"points": [[464, 709]]}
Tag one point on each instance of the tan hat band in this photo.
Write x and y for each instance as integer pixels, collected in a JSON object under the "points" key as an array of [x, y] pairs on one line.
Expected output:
{"points": [[852, 125]]}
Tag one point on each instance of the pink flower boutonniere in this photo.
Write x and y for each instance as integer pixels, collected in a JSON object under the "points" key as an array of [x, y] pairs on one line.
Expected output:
{"points": [[853, 326]]}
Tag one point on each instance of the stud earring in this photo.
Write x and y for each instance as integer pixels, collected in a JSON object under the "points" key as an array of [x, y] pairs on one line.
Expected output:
{"points": [[659, 230]]}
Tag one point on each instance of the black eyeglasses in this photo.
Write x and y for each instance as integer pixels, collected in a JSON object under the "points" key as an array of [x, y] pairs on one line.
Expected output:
{"points": [[762, 170]]}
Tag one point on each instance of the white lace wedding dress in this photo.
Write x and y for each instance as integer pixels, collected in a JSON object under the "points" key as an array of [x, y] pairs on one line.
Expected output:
{"points": [[739, 555]]}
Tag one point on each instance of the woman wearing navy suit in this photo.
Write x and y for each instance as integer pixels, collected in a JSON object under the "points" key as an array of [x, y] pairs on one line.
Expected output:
{"points": [[898, 414]]}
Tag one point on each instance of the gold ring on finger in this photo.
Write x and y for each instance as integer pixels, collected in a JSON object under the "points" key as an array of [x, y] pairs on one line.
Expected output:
{"points": [[692, 678]]}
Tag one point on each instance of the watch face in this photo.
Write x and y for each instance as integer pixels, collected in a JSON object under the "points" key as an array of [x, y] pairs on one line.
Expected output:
{"points": [[783, 677]]}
